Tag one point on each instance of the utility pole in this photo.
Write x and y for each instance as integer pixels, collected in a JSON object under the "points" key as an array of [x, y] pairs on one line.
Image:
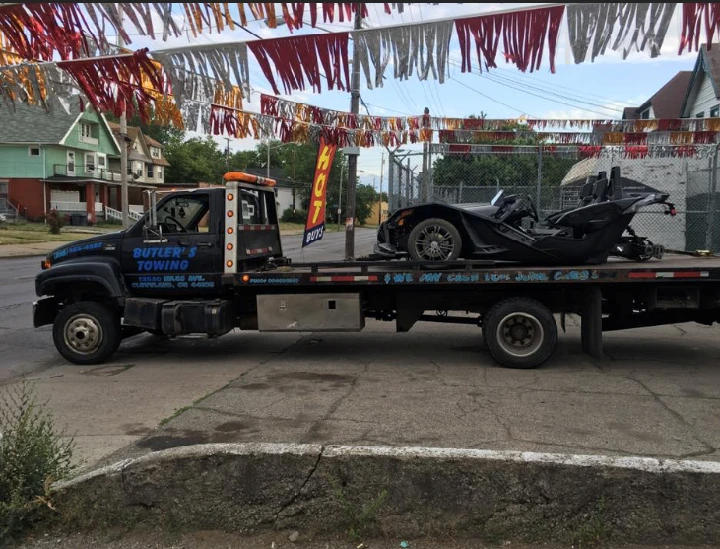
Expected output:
{"points": [[124, 206], [353, 158], [268, 158], [339, 212], [425, 183], [382, 165], [227, 155]]}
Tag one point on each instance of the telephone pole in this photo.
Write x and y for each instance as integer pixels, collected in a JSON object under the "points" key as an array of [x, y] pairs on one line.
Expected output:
{"points": [[227, 155], [382, 165], [124, 206], [353, 157]]}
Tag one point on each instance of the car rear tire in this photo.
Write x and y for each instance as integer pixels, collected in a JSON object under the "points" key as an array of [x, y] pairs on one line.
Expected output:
{"points": [[434, 240], [520, 333], [86, 333]]}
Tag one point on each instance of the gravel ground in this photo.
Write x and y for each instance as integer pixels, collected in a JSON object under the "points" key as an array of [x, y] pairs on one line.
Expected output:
{"points": [[275, 540]]}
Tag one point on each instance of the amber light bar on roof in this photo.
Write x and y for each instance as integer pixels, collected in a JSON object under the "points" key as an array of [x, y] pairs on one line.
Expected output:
{"points": [[249, 178]]}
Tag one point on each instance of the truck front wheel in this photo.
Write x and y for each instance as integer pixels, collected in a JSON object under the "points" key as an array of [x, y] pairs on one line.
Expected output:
{"points": [[86, 332], [520, 333]]}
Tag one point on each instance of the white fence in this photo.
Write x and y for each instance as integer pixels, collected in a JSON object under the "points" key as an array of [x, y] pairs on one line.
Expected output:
{"points": [[112, 213]]}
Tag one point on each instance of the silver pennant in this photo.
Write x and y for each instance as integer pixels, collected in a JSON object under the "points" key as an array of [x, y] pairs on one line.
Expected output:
{"points": [[422, 48], [591, 28]]}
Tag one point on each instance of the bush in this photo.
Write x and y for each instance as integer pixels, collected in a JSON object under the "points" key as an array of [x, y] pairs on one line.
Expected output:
{"points": [[290, 216], [56, 221], [32, 456]]}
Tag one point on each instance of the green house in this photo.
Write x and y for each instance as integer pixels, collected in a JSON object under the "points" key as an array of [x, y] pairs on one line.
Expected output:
{"points": [[57, 160]]}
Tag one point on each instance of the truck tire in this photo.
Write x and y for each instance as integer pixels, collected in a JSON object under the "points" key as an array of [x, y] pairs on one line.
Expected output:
{"points": [[520, 333], [86, 333], [434, 240]]}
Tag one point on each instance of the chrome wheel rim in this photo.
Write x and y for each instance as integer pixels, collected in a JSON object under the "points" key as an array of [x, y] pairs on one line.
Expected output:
{"points": [[83, 334], [435, 243], [520, 334]]}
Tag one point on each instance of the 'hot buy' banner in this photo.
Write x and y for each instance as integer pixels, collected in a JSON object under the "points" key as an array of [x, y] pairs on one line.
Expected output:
{"points": [[315, 224]]}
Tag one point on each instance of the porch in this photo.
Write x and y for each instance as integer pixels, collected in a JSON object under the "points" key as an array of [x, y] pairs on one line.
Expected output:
{"points": [[96, 194]]}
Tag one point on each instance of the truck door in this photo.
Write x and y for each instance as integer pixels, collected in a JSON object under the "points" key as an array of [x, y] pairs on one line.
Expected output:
{"points": [[187, 260]]}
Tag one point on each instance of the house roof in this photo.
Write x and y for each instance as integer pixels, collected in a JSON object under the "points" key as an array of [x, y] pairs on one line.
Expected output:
{"points": [[33, 124], [152, 142], [630, 113], [708, 62], [132, 131], [667, 102]]}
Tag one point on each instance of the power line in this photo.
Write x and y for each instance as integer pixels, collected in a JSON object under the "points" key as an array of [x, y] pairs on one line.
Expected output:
{"points": [[533, 94], [493, 100]]}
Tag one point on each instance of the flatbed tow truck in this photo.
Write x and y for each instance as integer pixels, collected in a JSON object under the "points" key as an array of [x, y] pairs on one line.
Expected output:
{"points": [[209, 260]]}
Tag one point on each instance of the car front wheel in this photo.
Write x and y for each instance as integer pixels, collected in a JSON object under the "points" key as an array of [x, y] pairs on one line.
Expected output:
{"points": [[434, 240]]}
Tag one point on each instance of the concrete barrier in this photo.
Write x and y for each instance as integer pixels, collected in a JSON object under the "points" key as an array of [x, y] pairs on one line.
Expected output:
{"points": [[405, 492]]}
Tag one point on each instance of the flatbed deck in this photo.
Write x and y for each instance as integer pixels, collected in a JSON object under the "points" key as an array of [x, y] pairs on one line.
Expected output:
{"points": [[410, 273]]}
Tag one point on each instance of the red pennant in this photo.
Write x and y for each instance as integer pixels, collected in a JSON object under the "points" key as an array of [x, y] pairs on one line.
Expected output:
{"points": [[297, 58], [523, 34]]}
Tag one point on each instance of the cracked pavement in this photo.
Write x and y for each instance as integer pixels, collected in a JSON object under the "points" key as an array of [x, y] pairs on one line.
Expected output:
{"points": [[656, 394]]}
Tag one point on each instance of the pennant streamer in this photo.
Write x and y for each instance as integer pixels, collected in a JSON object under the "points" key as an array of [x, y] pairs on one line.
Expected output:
{"points": [[296, 56], [583, 151], [301, 126], [424, 48], [302, 112], [116, 83], [591, 28], [227, 63], [39, 30], [524, 34], [695, 15]]}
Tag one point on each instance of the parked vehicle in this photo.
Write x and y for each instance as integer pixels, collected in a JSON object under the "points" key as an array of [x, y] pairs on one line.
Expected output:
{"points": [[586, 234], [202, 261]]}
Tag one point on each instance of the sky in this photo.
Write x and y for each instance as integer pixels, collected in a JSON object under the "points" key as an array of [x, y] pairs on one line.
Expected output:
{"points": [[599, 89]]}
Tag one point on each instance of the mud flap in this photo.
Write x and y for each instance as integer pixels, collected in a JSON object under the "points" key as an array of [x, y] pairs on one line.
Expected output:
{"points": [[562, 322]]}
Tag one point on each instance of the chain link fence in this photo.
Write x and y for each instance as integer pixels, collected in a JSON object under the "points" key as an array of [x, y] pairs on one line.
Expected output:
{"points": [[404, 185], [553, 180]]}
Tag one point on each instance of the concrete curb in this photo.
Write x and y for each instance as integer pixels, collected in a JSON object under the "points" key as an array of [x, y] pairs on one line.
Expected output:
{"points": [[496, 495]]}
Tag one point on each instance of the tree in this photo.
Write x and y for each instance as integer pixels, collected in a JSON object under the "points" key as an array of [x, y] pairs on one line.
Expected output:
{"points": [[194, 161]]}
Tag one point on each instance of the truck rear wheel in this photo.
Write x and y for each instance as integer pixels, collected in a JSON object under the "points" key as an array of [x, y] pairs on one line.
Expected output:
{"points": [[520, 333], [86, 332]]}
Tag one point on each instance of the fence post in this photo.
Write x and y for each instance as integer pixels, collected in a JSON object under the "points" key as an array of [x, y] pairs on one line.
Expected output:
{"points": [[538, 200], [712, 187], [459, 201], [391, 182], [408, 184]]}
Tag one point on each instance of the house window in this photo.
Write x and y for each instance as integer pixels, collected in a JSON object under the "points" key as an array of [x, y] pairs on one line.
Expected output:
{"points": [[645, 115], [34, 151], [715, 111], [86, 130], [155, 152], [701, 114], [90, 162], [159, 172], [150, 171], [102, 161]]}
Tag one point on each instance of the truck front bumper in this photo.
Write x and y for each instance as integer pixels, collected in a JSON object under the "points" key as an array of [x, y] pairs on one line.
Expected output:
{"points": [[44, 311]]}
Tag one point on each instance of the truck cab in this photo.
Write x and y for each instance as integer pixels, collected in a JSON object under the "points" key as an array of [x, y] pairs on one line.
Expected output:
{"points": [[164, 274]]}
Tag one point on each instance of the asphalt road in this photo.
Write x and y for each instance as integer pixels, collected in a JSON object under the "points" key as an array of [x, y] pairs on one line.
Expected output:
{"points": [[24, 349]]}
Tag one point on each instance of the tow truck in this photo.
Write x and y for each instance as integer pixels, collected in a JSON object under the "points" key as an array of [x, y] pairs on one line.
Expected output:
{"points": [[210, 260]]}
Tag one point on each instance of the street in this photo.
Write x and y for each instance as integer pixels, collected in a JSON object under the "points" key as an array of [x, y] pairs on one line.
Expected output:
{"points": [[654, 394], [24, 349]]}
